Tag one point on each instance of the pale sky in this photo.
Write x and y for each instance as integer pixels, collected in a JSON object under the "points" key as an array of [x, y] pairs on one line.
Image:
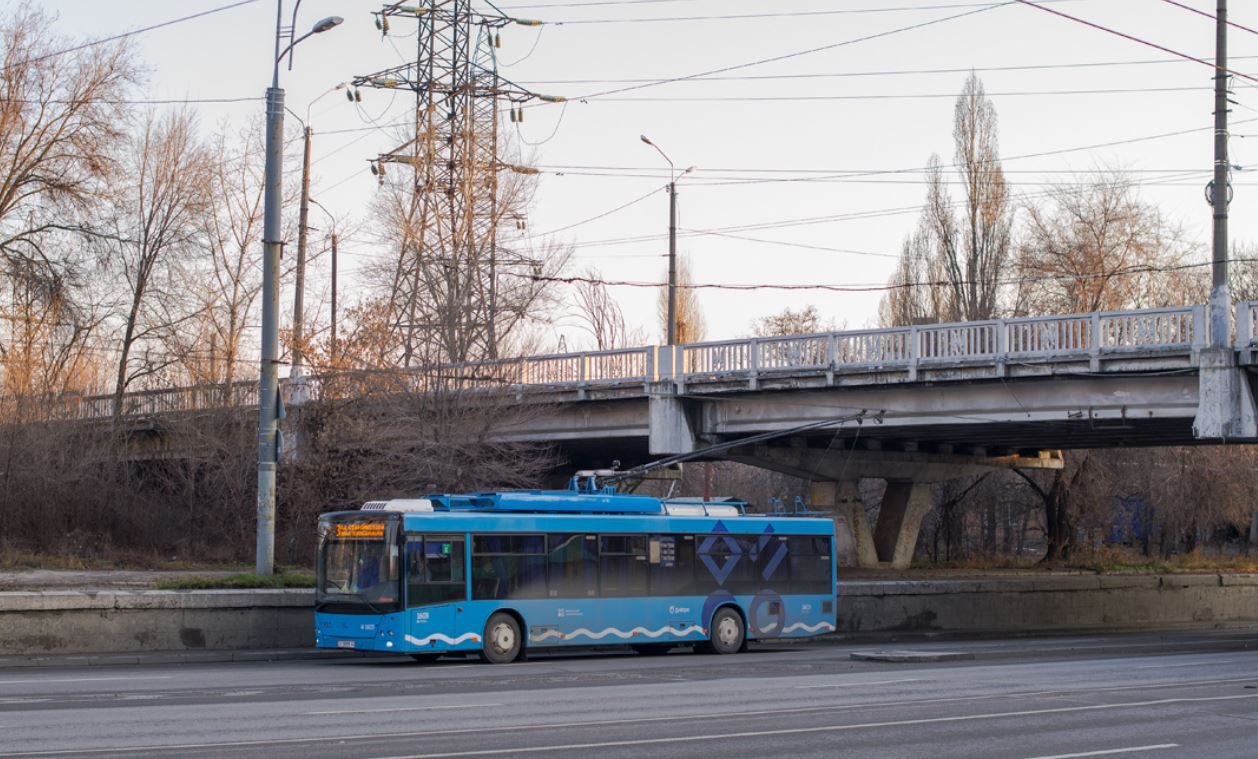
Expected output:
{"points": [[807, 167]]}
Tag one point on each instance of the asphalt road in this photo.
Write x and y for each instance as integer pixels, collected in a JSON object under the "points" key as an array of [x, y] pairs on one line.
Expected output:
{"points": [[1174, 694]]}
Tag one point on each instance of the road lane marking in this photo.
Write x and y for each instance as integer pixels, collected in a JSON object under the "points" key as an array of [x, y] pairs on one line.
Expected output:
{"points": [[598, 723], [855, 684], [1191, 664], [1107, 752], [829, 728], [85, 679], [399, 709]]}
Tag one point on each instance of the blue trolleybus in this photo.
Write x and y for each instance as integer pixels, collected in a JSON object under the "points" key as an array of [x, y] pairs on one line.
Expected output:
{"points": [[503, 573]]}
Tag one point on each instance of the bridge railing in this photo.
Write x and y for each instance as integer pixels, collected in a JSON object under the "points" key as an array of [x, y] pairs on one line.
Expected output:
{"points": [[1247, 325], [1039, 338]]}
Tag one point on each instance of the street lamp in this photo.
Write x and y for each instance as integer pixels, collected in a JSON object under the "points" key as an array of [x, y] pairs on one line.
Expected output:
{"points": [[672, 240], [268, 384]]}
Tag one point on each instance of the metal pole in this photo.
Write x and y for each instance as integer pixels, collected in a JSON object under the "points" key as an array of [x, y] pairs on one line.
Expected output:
{"points": [[299, 296], [334, 298], [672, 263], [268, 383], [1220, 299]]}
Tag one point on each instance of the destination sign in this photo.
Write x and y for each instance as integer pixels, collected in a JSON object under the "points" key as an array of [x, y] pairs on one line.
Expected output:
{"points": [[360, 530]]}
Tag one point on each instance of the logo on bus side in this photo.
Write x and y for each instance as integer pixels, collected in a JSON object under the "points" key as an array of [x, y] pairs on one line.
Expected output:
{"points": [[570, 613], [679, 610], [421, 616]]}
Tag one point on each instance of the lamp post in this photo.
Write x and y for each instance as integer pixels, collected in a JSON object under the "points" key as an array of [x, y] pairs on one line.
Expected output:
{"points": [[672, 240], [268, 384]]}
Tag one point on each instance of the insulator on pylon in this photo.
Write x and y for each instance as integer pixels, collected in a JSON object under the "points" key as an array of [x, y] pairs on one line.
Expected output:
{"points": [[384, 24], [513, 115], [378, 24], [349, 95], [374, 171], [519, 114], [497, 40]]}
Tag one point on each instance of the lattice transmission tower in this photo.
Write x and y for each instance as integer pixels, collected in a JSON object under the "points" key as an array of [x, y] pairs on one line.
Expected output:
{"points": [[448, 286]]}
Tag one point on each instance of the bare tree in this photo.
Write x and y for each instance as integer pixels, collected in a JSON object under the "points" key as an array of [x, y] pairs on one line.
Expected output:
{"points": [[231, 231], [959, 259], [58, 125], [788, 321], [690, 325], [473, 300], [1096, 247], [156, 211], [599, 310]]}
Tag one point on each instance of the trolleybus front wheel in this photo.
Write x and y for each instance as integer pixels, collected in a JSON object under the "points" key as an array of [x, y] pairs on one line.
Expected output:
{"points": [[502, 640]]}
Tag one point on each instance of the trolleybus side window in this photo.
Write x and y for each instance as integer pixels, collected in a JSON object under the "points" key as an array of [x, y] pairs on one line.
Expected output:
{"points": [[810, 564], [671, 559], [623, 565], [434, 569], [573, 565], [508, 566]]}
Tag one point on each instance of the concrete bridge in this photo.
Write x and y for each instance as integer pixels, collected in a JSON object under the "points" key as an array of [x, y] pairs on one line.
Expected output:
{"points": [[934, 402]]}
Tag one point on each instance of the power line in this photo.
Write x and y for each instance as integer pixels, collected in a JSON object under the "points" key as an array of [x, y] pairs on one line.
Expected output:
{"points": [[861, 288], [164, 101], [134, 32], [798, 53], [1133, 38], [777, 14], [596, 217], [890, 72], [1210, 16], [896, 96]]}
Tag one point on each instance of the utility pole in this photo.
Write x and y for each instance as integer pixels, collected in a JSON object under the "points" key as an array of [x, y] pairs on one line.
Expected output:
{"points": [[334, 299], [672, 262], [1220, 298], [299, 296], [673, 176]]}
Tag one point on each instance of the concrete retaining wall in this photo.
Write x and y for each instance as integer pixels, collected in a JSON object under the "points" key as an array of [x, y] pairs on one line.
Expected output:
{"points": [[1047, 604], [77, 622], [158, 620]]}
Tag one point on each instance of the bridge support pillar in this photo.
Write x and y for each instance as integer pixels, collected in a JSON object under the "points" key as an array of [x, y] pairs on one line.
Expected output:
{"points": [[671, 428], [899, 521], [1225, 409], [855, 540]]}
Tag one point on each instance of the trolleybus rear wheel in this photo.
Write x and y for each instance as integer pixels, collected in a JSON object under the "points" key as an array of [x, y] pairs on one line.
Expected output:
{"points": [[728, 633], [502, 641]]}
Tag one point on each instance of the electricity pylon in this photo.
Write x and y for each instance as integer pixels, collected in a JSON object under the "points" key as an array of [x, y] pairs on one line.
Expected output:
{"points": [[454, 156]]}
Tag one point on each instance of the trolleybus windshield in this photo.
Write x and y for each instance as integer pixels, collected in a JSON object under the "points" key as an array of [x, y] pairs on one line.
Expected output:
{"points": [[358, 567]]}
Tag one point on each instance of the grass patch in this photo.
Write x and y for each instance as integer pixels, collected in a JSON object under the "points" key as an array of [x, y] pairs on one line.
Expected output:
{"points": [[237, 581]]}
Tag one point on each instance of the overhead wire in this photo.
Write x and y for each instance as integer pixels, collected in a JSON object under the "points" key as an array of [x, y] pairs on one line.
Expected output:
{"points": [[867, 287], [1133, 38], [132, 33], [798, 53], [1211, 16], [889, 72]]}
